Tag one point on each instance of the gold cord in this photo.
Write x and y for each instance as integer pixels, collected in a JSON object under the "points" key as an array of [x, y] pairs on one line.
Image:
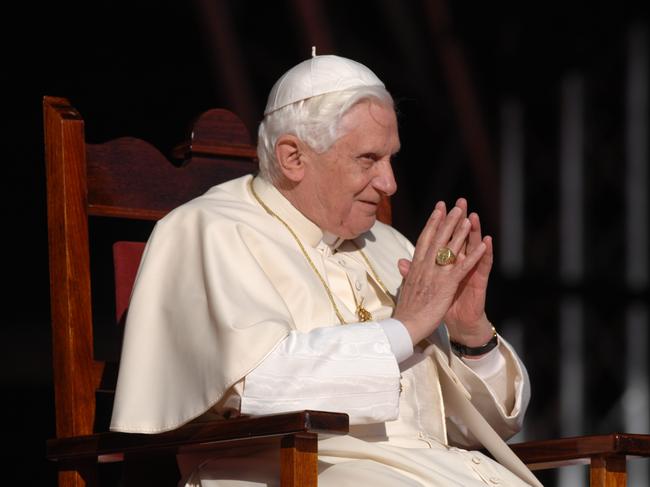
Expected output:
{"points": [[364, 315], [375, 275], [304, 252]]}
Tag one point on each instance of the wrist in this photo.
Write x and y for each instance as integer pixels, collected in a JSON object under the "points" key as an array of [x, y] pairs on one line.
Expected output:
{"points": [[463, 350], [473, 334]]}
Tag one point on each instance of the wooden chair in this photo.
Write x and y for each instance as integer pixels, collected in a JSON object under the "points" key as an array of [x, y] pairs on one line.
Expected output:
{"points": [[129, 179], [606, 455]]}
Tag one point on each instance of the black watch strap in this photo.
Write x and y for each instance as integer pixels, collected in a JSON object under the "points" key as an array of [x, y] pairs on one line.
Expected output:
{"points": [[465, 351]]}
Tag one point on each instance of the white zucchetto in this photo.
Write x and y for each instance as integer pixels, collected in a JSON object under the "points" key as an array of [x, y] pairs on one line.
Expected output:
{"points": [[317, 76]]}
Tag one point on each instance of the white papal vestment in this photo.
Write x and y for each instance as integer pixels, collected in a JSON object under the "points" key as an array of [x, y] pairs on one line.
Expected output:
{"points": [[225, 299]]}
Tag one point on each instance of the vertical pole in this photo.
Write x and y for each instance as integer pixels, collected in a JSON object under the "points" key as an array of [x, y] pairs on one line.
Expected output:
{"points": [[571, 266], [636, 401], [607, 471], [76, 375], [299, 460], [511, 241]]}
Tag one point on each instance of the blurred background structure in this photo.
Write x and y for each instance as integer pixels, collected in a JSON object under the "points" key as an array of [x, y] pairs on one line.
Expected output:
{"points": [[537, 112]]}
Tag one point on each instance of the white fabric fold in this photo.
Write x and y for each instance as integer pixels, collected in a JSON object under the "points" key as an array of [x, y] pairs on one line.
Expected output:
{"points": [[399, 338], [223, 288], [347, 369], [476, 422], [488, 365]]}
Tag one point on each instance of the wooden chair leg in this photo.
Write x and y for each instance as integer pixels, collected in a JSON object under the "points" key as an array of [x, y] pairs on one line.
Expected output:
{"points": [[608, 471], [299, 460], [78, 475]]}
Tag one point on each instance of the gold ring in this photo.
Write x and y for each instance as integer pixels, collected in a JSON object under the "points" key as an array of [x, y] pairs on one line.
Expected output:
{"points": [[445, 256]]}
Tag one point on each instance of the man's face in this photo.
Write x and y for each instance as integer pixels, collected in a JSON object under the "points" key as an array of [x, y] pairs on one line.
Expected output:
{"points": [[345, 183]]}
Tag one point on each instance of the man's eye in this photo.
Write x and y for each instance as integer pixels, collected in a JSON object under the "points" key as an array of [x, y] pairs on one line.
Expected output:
{"points": [[369, 157]]}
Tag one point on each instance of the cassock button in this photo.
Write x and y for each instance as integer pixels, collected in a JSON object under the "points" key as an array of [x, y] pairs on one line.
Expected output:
{"points": [[476, 460], [342, 262], [495, 480], [357, 285]]}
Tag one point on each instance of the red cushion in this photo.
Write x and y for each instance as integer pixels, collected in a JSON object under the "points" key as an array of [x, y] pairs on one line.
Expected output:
{"points": [[126, 260]]}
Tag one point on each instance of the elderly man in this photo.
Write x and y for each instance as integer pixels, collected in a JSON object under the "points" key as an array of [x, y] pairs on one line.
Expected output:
{"points": [[242, 295]]}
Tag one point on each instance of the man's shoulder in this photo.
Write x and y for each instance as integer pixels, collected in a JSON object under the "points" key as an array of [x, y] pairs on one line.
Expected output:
{"points": [[228, 201], [382, 234]]}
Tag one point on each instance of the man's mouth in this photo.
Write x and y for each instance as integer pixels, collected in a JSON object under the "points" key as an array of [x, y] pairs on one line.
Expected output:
{"points": [[369, 202]]}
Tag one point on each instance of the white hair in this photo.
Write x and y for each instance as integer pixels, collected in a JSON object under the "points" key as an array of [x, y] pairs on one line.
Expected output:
{"points": [[315, 121]]}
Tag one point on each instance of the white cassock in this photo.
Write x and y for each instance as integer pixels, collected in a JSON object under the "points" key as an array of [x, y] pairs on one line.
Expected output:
{"points": [[228, 315]]}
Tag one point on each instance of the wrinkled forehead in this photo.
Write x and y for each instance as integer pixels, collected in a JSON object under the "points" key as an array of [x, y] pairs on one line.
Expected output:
{"points": [[370, 125], [370, 110]]}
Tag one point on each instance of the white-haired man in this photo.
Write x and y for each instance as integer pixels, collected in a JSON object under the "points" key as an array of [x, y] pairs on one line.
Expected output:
{"points": [[242, 292]]}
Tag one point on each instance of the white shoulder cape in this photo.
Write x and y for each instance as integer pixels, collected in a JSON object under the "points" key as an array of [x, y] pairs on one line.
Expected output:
{"points": [[221, 283]]}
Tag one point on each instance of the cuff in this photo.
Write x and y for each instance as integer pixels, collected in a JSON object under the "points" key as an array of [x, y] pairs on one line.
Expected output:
{"points": [[488, 365], [399, 338]]}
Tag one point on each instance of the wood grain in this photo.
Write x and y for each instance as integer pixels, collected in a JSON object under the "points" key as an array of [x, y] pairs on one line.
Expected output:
{"points": [[299, 460], [130, 179]]}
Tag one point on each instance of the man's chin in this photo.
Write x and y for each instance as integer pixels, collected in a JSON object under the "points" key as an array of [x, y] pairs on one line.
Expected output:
{"points": [[359, 229]]}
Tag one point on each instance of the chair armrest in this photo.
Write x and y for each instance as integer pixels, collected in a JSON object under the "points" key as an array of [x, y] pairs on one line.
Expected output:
{"points": [[213, 435], [539, 455]]}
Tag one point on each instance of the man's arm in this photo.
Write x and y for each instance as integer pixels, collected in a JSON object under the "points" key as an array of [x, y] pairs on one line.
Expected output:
{"points": [[351, 369], [499, 387]]}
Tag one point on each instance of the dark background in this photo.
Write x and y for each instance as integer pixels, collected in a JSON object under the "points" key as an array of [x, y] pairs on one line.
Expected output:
{"points": [[147, 68]]}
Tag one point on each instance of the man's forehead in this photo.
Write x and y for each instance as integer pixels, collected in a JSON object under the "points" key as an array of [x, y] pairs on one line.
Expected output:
{"points": [[380, 146], [369, 111], [371, 127]]}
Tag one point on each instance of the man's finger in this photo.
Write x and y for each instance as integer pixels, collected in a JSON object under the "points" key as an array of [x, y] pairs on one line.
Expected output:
{"points": [[458, 239], [404, 265], [428, 232], [446, 229], [462, 204], [463, 267], [485, 264], [475, 236]]}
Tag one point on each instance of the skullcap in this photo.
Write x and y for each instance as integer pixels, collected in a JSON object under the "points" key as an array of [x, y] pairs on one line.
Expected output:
{"points": [[317, 76]]}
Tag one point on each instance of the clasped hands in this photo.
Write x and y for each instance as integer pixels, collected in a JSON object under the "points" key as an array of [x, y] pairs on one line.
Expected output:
{"points": [[454, 293]]}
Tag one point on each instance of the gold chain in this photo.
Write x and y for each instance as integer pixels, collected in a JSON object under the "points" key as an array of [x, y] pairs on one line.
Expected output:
{"points": [[364, 315], [374, 274], [304, 252]]}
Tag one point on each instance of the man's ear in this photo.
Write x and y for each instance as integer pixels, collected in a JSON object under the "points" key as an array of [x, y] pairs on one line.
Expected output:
{"points": [[288, 154]]}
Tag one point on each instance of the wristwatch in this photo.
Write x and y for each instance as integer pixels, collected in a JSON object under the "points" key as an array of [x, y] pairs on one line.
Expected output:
{"points": [[465, 351]]}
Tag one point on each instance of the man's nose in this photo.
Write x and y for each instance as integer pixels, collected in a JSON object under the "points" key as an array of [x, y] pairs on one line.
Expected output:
{"points": [[384, 180]]}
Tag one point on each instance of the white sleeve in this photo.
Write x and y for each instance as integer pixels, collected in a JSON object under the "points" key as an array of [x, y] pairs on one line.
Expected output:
{"points": [[499, 389], [492, 368], [399, 338], [350, 369]]}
